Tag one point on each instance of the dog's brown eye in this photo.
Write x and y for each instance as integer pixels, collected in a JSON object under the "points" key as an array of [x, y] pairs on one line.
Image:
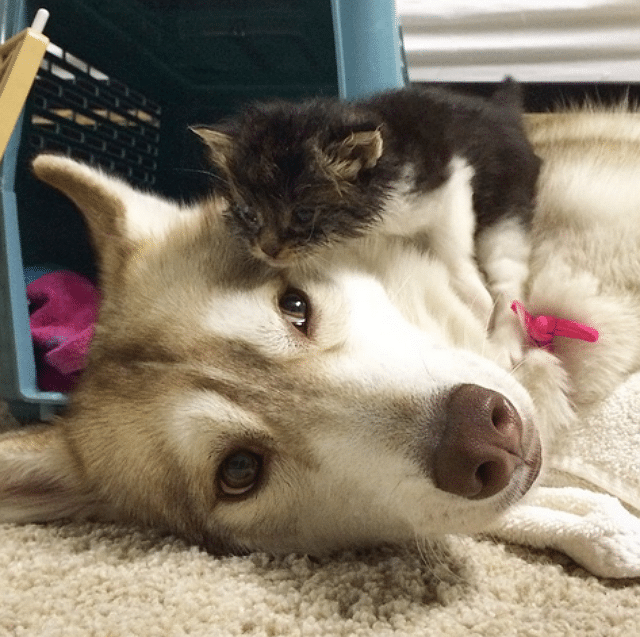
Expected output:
{"points": [[295, 309], [239, 472]]}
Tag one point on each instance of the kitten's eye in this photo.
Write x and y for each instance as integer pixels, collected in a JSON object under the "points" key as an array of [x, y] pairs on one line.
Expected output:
{"points": [[295, 309], [303, 216], [247, 215], [239, 472]]}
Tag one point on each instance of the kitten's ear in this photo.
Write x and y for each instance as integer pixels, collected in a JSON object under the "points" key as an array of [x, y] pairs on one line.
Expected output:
{"points": [[219, 142], [358, 151]]}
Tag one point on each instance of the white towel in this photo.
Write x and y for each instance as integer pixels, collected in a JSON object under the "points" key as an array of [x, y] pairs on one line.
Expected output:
{"points": [[594, 529], [595, 472]]}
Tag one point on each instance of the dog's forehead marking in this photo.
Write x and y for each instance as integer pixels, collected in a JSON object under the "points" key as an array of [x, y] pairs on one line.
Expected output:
{"points": [[250, 316], [204, 424]]}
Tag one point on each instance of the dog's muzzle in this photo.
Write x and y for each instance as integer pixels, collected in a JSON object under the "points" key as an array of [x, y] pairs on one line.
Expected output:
{"points": [[482, 445]]}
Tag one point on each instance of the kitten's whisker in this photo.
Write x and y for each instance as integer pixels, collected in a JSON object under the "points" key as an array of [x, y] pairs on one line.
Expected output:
{"points": [[207, 173]]}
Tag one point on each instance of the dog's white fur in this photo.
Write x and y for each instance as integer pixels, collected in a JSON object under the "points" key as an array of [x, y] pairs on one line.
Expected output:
{"points": [[194, 358]]}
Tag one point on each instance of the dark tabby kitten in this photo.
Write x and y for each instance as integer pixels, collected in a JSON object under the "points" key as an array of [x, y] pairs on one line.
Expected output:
{"points": [[455, 172]]}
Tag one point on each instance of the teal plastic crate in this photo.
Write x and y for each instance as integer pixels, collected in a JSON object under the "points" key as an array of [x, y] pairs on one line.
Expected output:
{"points": [[119, 87]]}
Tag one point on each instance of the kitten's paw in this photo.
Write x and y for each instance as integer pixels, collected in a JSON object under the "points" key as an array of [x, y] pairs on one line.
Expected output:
{"points": [[509, 351], [547, 382], [507, 337], [473, 292]]}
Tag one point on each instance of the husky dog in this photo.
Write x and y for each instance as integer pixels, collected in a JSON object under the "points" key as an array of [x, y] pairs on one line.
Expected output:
{"points": [[244, 406], [453, 172]]}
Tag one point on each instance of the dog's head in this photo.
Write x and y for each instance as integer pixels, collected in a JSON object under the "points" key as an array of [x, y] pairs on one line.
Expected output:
{"points": [[244, 407]]}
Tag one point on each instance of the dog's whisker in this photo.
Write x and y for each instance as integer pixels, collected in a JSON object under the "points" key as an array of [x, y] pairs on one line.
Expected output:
{"points": [[487, 326], [437, 560], [400, 288], [516, 367]]}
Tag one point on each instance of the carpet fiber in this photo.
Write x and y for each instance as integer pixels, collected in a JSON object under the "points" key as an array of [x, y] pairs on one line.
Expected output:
{"points": [[87, 579]]}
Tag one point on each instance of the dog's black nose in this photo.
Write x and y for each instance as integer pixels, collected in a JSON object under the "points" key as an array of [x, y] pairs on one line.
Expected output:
{"points": [[481, 445]]}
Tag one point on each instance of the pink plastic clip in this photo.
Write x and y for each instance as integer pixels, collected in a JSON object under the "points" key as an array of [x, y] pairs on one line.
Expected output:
{"points": [[542, 329]]}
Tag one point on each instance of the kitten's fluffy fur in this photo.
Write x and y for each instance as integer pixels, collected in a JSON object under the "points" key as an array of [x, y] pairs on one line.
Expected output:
{"points": [[443, 169]]}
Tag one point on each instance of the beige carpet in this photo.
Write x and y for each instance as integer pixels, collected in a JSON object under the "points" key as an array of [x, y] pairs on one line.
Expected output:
{"points": [[99, 580], [75, 580]]}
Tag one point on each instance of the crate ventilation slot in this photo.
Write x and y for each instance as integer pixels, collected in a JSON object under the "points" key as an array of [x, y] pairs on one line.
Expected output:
{"points": [[80, 111]]}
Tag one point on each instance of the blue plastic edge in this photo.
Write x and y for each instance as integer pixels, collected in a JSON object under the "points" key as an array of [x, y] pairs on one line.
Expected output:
{"points": [[17, 363], [368, 48]]}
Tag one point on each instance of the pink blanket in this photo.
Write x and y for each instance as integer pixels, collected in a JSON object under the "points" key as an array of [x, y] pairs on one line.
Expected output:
{"points": [[64, 308]]}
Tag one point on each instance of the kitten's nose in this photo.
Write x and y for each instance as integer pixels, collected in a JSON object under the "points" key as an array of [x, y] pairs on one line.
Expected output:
{"points": [[271, 249], [269, 243]]}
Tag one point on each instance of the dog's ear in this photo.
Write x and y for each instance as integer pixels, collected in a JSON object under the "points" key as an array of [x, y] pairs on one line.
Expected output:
{"points": [[119, 217], [40, 479], [219, 142], [356, 151], [93, 193]]}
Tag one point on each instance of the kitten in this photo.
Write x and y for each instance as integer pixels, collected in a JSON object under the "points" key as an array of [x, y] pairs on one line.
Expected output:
{"points": [[454, 173]]}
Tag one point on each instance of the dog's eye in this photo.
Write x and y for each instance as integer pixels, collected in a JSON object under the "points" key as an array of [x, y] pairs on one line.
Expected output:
{"points": [[295, 309], [239, 472]]}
